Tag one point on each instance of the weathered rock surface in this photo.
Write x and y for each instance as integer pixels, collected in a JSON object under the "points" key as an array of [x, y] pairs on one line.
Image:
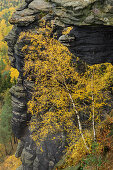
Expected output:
{"points": [[71, 12], [40, 5], [33, 158], [22, 19], [19, 102], [27, 14], [11, 41], [84, 12], [90, 39], [19, 150], [93, 44]]}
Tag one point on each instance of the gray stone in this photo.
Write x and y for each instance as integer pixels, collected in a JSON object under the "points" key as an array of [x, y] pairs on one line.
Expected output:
{"points": [[92, 43], [51, 164], [25, 12], [19, 108], [20, 167], [73, 3], [40, 5], [19, 149], [22, 21], [11, 41], [66, 39], [26, 157], [18, 92], [80, 12], [90, 19], [36, 164]]}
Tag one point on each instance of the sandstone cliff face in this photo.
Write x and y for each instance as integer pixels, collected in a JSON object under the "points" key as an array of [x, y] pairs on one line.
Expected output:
{"points": [[90, 39]]}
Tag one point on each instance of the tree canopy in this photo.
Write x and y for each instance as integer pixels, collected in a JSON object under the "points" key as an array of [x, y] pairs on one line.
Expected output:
{"points": [[64, 99]]}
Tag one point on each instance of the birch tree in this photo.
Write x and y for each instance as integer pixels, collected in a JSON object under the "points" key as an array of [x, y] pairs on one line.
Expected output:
{"points": [[62, 94]]}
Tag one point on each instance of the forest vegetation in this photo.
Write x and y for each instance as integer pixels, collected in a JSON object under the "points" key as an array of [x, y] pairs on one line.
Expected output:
{"points": [[8, 76]]}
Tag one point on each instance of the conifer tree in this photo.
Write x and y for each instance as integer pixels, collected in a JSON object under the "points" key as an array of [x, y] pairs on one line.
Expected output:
{"points": [[5, 121]]}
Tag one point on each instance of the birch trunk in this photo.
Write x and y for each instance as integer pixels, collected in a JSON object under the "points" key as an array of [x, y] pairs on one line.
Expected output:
{"points": [[93, 107], [78, 117]]}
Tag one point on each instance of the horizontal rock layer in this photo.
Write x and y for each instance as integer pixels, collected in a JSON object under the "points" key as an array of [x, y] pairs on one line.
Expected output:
{"points": [[71, 12], [93, 44], [84, 12]]}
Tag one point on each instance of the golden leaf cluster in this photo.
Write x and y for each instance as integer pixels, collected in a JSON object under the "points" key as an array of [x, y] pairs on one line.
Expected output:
{"points": [[50, 65]]}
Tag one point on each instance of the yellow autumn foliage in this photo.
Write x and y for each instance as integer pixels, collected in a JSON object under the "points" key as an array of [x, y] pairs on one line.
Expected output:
{"points": [[6, 4], [4, 30], [5, 11], [56, 77], [14, 74], [11, 163]]}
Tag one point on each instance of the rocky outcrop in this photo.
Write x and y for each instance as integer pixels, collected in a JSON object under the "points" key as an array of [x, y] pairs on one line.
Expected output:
{"points": [[70, 12], [33, 158], [92, 34], [30, 13], [19, 104], [11, 41], [93, 44], [84, 12], [90, 39]]}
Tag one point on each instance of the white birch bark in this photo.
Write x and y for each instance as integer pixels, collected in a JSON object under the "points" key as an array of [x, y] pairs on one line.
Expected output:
{"points": [[93, 107], [78, 117]]}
